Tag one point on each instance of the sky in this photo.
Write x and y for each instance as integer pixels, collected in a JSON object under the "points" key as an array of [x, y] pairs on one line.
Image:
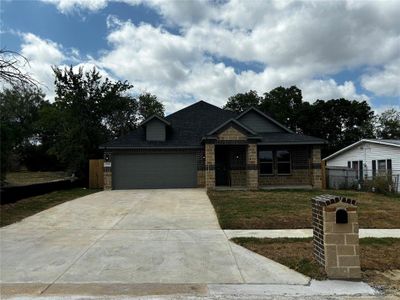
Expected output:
{"points": [[186, 51]]}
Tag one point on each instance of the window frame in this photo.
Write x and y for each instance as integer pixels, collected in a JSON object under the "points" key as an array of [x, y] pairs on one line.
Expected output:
{"points": [[283, 162], [274, 163], [264, 163]]}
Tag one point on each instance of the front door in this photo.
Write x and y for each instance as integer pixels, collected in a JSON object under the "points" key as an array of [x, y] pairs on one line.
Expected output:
{"points": [[221, 167]]}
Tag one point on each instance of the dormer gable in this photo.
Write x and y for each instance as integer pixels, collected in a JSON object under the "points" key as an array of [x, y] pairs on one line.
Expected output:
{"points": [[155, 128], [260, 122]]}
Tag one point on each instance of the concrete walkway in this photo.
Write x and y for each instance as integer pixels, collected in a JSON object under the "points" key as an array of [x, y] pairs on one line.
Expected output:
{"points": [[306, 233]]}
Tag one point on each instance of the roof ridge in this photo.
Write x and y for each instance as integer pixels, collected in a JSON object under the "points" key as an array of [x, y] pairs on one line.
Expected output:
{"points": [[193, 104]]}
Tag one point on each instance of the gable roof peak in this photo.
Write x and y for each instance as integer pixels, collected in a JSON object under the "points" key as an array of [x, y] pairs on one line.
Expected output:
{"points": [[252, 108], [155, 117]]}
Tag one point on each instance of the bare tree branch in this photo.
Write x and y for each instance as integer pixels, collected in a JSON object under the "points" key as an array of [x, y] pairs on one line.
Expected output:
{"points": [[11, 69]]}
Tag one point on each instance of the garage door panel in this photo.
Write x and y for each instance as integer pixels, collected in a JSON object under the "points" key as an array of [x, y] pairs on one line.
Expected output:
{"points": [[172, 170]]}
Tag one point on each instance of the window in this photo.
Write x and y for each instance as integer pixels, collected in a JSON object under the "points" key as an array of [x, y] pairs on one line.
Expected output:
{"points": [[283, 161], [274, 162], [266, 162], [381, 166]]}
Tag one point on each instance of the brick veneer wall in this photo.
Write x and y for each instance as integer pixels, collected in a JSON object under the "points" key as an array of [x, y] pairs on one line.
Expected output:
{"points": [[231, 134], [210, 165], [297, 177], [336, 246], [316, 167], [252, 166]]}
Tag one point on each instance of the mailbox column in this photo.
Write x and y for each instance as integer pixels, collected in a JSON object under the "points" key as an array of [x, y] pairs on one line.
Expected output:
{"points": [[336, 241]]}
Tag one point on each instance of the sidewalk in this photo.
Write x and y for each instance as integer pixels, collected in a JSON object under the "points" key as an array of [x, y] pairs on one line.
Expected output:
{"points": [[305, 233]]}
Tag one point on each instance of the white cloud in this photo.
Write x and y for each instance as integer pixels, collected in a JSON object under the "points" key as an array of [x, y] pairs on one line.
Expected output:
{"points": [[385, 82], [329, 89], [42, 55], [66, 6], [298, 42]]}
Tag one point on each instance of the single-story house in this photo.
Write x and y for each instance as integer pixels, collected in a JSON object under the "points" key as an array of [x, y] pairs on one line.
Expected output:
{"points": [[205, 146], [368, 157]]}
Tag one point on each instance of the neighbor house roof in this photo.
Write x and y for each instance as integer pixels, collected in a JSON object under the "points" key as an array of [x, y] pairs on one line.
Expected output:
{"points": [[188, 126], [395, 143]]}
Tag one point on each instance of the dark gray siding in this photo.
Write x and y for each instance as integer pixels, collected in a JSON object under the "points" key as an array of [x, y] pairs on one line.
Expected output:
{"points": [[258, 123], [155, 130], [154, 170]]}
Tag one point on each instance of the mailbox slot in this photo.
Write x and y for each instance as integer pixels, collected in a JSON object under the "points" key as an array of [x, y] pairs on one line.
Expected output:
{"points": [[341, 216]]}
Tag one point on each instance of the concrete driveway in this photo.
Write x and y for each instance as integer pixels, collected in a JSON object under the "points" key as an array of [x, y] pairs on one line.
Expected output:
{"points": [[132, 237]]}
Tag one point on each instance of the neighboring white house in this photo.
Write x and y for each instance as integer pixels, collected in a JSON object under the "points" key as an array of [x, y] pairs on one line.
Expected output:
{"points": [[369, 157]]}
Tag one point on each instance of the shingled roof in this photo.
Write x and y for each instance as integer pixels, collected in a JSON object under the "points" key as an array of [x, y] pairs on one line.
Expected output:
{"points": [[189, 125]]}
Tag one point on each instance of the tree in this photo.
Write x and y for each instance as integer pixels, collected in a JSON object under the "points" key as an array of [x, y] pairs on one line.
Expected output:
{"points": [[242, 101], [284, 105], [19, 107], [388, 126], [149, 105], [339, 121], [11, 65], [88, 110]]}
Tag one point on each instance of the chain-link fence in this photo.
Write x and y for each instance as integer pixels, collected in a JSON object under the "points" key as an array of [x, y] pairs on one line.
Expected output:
{"points": [[347, 178]]}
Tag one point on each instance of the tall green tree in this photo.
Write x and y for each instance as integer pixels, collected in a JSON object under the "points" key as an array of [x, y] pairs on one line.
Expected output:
{"points": [[242, 101], [339, 121], [19, 108], [88, 110], [284, 105], [388, 126], [149, 105]]}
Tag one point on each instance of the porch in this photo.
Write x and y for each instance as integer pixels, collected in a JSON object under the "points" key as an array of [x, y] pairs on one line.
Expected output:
{"points": [[256, 166]]}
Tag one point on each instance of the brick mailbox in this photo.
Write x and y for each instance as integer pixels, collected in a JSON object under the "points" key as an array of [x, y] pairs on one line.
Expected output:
{"points": [[335, 232]]}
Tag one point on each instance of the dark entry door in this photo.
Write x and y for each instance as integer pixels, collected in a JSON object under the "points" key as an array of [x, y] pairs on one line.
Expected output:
{"points": [[221, 167]]}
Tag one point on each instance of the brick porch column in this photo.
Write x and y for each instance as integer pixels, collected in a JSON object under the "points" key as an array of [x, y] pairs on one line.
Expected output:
{"points": [[210, 166], [252, 167], [107, 172], [316, 173]]}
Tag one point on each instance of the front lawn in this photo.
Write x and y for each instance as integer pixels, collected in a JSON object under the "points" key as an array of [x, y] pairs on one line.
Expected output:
{"points": [[291, 209], [380, 262], [14, 212], [29, 177]]}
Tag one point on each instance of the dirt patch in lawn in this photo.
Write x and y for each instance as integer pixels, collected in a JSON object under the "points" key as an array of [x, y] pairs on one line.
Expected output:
{"points": [[380, 259], [14, 212], [28, 177], [291, 209]]}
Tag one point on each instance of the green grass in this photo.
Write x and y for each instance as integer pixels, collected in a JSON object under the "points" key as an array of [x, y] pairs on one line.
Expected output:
{"points": [[290, 209], [11, 213], [378, 242]]}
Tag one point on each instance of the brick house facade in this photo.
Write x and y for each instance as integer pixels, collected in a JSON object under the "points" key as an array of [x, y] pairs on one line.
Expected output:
{"points": [[250, 150]]}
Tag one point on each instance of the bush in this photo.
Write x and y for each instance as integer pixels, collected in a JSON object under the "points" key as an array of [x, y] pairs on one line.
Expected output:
{"points": [[379, 184]]}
